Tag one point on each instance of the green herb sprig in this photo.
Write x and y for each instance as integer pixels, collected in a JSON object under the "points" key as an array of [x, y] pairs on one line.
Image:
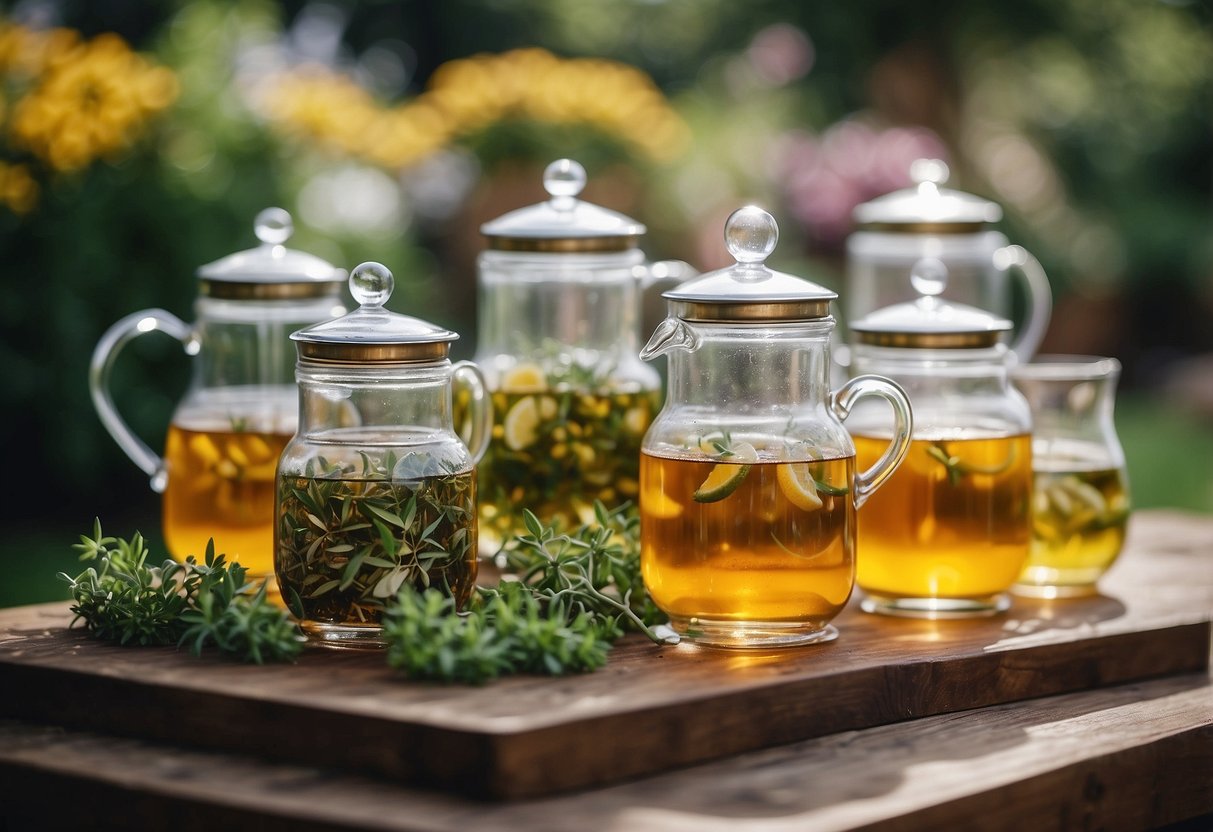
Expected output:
{"points": [[121, 598], [569, 597], [957, 468]]}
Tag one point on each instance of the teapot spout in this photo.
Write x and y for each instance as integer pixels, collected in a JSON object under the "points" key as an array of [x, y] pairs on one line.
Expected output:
{"points": [[671, 334]]}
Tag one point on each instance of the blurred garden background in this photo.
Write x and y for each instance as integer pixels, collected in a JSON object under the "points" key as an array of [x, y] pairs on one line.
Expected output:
{"points": [[139, 139]]}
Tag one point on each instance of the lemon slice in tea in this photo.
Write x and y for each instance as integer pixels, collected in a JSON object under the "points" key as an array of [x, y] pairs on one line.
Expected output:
{"points": [[726, 476], [524, 378], [521, 425], [798, 486]]}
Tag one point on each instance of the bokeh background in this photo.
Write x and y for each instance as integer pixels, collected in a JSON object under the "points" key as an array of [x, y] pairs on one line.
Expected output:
{"points": [[139, 139]]}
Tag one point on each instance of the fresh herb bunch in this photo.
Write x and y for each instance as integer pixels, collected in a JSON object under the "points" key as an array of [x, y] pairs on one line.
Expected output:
{"points": [[571, 595], [123, 599], [958, 468]]}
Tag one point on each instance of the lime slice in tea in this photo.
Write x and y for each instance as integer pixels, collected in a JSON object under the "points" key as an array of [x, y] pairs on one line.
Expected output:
{"points": [[524, 378], [521, 424], [798, 486], [726, 476]]}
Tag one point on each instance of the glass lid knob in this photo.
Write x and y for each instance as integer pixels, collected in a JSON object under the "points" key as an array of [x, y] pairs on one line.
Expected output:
{"points": [[932, 171], [371, 284], [273, 226], [929, 277], [750, 234], [563, 180]]}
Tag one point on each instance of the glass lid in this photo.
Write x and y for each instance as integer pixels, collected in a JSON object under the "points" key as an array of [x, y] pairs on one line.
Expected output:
{"points": [[271, 270], [371, 334], [930, 322], [748, 290], [564, 223], [927, 207]]}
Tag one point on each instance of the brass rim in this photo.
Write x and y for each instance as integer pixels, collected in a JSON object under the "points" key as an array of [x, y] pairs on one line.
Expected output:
{"points": [[563, 245], [232, 290], [412, 353], [929, 340], [925, 227], [789, 310]]}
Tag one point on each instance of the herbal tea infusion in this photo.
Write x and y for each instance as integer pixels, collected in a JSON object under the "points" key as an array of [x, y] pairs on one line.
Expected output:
{"points": [[557, 449], [347, 541]]}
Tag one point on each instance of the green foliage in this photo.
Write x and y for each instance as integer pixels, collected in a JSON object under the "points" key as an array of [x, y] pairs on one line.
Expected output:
{"points": [[571, 596], [124, 600]]}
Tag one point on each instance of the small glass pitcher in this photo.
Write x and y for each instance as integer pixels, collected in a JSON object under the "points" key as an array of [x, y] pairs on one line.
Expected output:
{"points": [[930, 221], [217, 473], [1080, 502], [559, 328], [748, 480], [949, 534], [376, 489]]}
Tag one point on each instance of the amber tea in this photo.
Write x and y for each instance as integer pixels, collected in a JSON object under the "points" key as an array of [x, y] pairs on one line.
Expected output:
{"points": [[221, 486], [557, 451], [742, 554], [1078, 529], [949, 532]]}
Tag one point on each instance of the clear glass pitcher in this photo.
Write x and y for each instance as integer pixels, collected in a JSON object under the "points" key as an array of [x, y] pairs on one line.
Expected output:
{"points": [[561, 285], [1080, 502], [376, 489], [217, 473], [930, 221], [949, 534], [748, 480]]}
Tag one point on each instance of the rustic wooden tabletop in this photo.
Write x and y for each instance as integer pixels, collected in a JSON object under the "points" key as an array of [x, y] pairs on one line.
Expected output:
{"points": [[1093, 713]]}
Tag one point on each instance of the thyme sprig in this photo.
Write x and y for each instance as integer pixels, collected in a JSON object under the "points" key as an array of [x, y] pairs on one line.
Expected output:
{"points": [[957, 468], [121, 598]]}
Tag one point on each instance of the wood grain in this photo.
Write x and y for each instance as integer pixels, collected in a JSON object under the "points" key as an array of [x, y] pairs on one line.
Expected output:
{"points": [[650, 710], [1131, 757]]}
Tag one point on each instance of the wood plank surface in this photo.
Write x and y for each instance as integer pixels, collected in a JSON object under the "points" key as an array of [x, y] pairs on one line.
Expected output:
{"points": [[1132, 757], [650, 709]]}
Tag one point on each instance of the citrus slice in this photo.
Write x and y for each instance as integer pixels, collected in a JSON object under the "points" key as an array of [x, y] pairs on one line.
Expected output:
{"points": [[524, 378], [798, 486], [521, 426], [726, 476]]}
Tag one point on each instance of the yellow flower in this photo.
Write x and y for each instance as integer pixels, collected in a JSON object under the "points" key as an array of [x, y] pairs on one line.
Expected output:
{"points": [[473, 93], [18, 190], [90, 100]]}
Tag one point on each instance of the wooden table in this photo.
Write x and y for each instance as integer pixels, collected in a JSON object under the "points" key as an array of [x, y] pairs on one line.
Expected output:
{"points": [[1080, 714]]}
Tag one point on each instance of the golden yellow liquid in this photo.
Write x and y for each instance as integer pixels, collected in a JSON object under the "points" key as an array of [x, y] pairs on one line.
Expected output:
{"points": [[1078, 530], [752, 556], [940, 531], [558, 453], [221, 485]]}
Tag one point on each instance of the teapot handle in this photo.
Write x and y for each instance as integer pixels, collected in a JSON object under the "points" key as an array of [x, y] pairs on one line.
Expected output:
{"points": [[1040, 298], [102, 364], [664, 271], [481, 407], [841, 402]]}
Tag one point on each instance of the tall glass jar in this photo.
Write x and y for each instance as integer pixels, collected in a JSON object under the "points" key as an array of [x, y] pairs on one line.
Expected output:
{"points": [[224, 437], [950, 533], [376, 490], [749, 483], [1081, 488], [559, 327]]}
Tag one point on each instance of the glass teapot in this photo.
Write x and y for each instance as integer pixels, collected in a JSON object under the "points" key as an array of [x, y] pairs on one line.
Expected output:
{"points": [[930, 221], [950, 532], [748, 480], [217, 474], [559, 318], [376, 490]]}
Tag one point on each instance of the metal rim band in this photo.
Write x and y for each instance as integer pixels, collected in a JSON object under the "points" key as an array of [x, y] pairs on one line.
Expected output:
{"points": [[409, 353], [929, 340], [925, 227], [563, 245], [296, 290], [751, 312]]}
